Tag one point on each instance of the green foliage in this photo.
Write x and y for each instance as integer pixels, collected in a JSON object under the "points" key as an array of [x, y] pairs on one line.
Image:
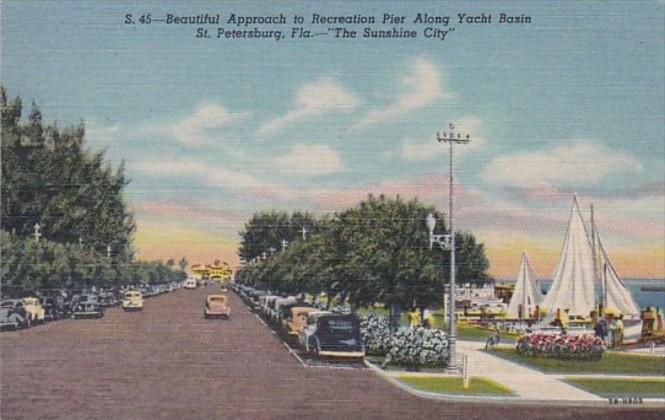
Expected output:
{"points": [[49, 177], [377, 251], [28, 265], [266, 230]]}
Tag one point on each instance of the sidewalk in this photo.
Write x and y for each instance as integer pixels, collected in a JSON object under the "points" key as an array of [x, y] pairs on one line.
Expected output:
{"points": [[527, 383]]}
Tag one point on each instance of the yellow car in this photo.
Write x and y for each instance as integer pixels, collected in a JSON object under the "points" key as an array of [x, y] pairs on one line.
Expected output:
{"points": [[132, 301], [34, 310], [217, 307], [298, 320]]}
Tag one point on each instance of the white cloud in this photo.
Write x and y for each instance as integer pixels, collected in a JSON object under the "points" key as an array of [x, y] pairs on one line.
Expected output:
{"points": [[420, 87], [310, 160], [214, 176], [313, 99], [194, 130], [579, 162], [430, 149]]}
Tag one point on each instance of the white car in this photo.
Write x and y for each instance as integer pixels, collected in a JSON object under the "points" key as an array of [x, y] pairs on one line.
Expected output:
{"points": [[190, 284], [133, 301]]}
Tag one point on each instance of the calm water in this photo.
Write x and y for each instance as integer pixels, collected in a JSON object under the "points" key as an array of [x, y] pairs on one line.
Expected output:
{"points": [[642, 298]]}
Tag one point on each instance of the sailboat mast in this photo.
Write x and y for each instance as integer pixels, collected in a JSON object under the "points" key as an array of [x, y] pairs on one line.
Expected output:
{"points": [[594, 251], [524, 285]]}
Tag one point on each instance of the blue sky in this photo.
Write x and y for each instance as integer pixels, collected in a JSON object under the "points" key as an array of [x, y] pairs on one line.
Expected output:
{"points": [[213, 130]]}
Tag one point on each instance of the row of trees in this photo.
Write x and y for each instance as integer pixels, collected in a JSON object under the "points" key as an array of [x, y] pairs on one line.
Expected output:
{"points": [[377, 251], [50, 178], [29, 265]]}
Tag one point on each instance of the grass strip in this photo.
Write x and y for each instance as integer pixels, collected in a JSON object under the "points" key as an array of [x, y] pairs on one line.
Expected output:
{"points": [[623, 387], [453, 385], [611, 363]]}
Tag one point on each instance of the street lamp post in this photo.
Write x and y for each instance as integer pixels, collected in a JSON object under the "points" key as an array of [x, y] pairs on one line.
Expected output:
{"points": [[448, 241]]}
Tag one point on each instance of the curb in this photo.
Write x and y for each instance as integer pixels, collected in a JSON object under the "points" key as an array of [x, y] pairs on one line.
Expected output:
{"points": [[513, 400]]}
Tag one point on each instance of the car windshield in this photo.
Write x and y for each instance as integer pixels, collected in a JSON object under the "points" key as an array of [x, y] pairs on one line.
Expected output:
{"points": [[218, 299]]}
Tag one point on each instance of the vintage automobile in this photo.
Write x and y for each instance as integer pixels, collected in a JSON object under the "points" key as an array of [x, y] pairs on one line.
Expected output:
{"points": [[55, 305], [217, 306], [190, 283], [327, 334], [132, 301], [275, 307], [107, 299], [296, 321], [86, 306], [254, 300], [34, 310], [284, 310], [13, 314]]}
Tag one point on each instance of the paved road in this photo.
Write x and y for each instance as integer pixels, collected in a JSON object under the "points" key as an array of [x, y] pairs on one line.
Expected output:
{"points": [[168, 362]]}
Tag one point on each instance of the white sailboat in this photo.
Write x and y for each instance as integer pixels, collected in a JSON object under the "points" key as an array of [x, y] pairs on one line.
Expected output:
{"points": [[616, 297], [573, 284], [527, 295], [577, 275]]}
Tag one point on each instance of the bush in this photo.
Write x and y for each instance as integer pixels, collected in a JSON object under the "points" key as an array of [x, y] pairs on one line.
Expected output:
{"points": [[564, 347], [376, 334], [418, 347]]}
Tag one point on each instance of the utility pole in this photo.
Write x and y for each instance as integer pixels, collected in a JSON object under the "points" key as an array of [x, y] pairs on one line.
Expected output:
{"points": [[451, 137], [304, 233]]}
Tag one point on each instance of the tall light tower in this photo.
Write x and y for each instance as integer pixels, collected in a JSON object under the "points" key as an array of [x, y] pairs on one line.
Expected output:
{"points": [[451, 137]]}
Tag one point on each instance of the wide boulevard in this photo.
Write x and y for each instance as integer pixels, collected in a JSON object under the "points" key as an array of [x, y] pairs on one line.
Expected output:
{"points": [[169, 362]]}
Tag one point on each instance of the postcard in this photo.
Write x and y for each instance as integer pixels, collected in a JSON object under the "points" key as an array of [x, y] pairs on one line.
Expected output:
{"points": [[332, 209]]}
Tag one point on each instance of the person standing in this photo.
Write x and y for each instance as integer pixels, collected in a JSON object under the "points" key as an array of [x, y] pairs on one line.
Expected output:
{"points": [[619, 331], [428, 318], [414, 317]]}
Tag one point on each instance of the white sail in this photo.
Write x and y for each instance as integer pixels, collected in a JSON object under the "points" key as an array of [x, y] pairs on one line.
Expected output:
{"points": [[616, 295], [573, 285], [527, 294]]}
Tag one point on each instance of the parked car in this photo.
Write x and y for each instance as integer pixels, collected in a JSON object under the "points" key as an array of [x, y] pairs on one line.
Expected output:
{"points": [[132, 301], [332, 335], [107, 299], [284, 309], [34, 310], [190, 284], [86, 306], [13, 314], [296, 321], [217, 306], [55, 306]]}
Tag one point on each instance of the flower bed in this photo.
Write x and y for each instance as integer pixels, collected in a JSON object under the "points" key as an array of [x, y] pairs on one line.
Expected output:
{"points": [[414, 347], [418, 347], [564, 347], [376, 334]]}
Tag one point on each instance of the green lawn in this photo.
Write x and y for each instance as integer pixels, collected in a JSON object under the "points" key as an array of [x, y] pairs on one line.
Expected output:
{"points": [[453, 385], [605, 387], [464, 331], [618, 363]]}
